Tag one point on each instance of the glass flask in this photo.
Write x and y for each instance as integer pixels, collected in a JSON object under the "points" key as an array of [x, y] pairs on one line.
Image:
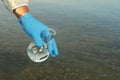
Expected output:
{"points": [[40, 54]]}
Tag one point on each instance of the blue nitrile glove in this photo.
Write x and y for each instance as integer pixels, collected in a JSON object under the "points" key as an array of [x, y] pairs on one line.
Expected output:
{"points": [[34, 29]]}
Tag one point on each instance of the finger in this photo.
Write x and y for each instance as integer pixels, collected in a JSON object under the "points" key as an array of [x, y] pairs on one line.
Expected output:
{"points": [[52, 48], [37, 40], [55, 49]]}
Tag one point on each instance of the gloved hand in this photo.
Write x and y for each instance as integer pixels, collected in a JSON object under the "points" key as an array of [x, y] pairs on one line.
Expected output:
{"points": [[34, 29]]}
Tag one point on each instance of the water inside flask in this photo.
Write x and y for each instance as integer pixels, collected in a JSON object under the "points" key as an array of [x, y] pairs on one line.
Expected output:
{"points": [[37, 54]]}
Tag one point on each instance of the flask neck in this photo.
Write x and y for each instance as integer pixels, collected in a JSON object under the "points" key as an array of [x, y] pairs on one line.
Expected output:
{"points": [[46, 36]]}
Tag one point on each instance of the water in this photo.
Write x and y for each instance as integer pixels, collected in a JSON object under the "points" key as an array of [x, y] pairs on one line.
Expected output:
{"points": [[37, 54], [87, 36]]}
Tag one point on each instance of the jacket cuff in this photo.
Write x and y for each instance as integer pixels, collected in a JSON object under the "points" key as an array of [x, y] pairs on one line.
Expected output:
{"points": [[13, 4]]}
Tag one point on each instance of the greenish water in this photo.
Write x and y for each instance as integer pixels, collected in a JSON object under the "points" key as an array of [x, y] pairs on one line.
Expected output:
{"points": [[88, 38]]}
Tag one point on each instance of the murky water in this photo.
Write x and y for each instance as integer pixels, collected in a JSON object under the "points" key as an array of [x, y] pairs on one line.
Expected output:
{"points": [[88, 37]]}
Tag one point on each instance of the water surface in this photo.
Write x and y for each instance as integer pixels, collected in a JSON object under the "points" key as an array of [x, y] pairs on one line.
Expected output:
{"points": [[87, 36]]}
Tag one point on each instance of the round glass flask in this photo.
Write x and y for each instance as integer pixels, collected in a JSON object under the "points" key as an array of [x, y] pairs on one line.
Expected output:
{"points": [[40, 54]]}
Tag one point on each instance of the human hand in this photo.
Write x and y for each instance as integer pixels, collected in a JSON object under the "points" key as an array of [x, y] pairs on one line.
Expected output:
{"points": [[35, 30]]}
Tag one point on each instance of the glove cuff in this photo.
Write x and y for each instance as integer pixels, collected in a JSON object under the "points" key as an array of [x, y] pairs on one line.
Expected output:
{"points": [[25, 17]]}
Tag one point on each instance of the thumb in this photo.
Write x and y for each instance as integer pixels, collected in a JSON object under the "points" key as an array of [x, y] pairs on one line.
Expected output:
{"points": [[37, 40]]}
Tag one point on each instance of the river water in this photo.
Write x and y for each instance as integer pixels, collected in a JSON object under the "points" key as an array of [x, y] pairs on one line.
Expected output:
{"points": [[88, 38]]}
